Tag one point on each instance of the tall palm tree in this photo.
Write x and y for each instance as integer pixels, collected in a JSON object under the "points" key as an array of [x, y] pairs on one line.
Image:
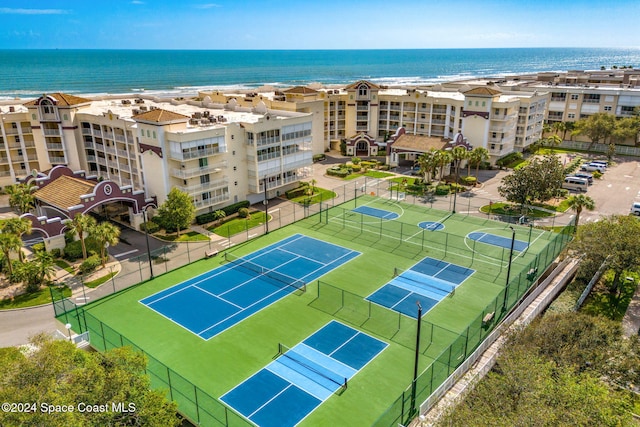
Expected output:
{"points": [[458, 154], [105, 234], [44, 261], [219, 215], [477, 156], [81, 224], [428, 164], [559, 127], [443, 158], [9, 242], [19, 227], [578, 203], [21, 197]]}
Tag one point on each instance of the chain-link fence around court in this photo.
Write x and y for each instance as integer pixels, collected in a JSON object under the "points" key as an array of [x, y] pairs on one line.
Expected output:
{"points": [[206, 410]]}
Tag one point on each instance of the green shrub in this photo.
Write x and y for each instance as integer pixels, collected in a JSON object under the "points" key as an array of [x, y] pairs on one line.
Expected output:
{"points": [[151, 227], [356, 160], [442, 190], [509, 158], [340, 173], [469, 180], [90, 264], [597, 175], [297, 192], [228, 210], [243, 213], [38, 247], [69, 236], [56, 253], [73, 251], [457, 188], [318, 157], [369, 163], [356, 168]]}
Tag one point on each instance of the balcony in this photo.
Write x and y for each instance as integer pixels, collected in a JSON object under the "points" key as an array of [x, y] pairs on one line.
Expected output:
{"points": [[5, 173], [4, 160], [86, 131], [119, 137], [212, 201], [362, 128], [11, 131], [51, 132], [503, 117], [198, 188], [362, 108], [187, 155], [57, 160], [122, 153], [53, 146], [91, 159], [192, 172]]}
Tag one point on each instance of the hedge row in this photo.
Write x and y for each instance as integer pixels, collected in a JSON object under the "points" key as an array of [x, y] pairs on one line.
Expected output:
{"points": [[228, 210], [297, 192], [341, 173]]}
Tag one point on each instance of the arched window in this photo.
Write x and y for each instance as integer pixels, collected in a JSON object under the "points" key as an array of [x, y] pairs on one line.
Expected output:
{"points": [[47, 106], [363, 90]]}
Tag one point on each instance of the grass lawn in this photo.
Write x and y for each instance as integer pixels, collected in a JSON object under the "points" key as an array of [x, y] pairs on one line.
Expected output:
{"points": [[510, 209], [370, 174], [43, 296], [217, 365], [603, 303], [238, 225], [320, 195], [100, 281], [64, 265], [185, 236]]}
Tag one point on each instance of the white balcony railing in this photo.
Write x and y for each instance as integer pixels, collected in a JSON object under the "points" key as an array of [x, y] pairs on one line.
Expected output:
{"points": [[199, 188], [191, 172]]}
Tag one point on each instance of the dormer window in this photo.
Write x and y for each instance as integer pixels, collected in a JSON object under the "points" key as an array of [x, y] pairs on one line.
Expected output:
{"points": [[363, 90], [47, 107]]}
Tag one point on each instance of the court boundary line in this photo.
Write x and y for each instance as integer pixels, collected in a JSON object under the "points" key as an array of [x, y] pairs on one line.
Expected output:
{"points": [[328, 355], [498, 264], [216, 296]]}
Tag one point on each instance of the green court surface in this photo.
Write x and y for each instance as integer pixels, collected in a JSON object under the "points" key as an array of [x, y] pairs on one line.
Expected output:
{"points": [[450, 330]]}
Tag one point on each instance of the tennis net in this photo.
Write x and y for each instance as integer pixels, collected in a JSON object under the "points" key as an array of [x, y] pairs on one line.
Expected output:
{"points": [[300, 360], [263, 271], [430, 282]]}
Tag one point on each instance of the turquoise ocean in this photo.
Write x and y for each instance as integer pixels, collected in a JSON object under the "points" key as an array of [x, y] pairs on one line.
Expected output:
{"points": [[30, 73]]}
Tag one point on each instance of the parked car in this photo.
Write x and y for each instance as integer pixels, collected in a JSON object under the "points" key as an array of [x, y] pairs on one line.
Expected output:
{"points": [[592, 167], [635, 208], [600, 162], [573, 183], [586, 175]]}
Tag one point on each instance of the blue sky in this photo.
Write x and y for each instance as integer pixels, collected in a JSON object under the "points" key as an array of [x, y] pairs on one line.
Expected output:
{"points": [[311, 24]]}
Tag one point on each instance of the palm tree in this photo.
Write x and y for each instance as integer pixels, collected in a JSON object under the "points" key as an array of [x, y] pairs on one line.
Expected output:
{"points": [[219, 215], [477, 156], [21, 197], [45, 263], [578, 203], [553, 141], [428, 164], [458, 154], [560, 127], [443, 158], [81, 224], [313, 183], [9, 242], [105, 234], [17, 226]]}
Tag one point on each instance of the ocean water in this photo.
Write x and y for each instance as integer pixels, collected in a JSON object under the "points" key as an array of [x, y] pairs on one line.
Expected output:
{"points": [[30, 73]]}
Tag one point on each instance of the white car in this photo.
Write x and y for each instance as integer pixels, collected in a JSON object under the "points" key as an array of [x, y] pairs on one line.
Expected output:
{"points": [[635, 208]]}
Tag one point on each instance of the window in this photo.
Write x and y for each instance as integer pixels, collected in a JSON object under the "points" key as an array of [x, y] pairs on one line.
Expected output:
{"points": [[363, 90], [65, 117], [235, 168], [607, 108], [574, 96], [205, 179], [484, 103], [154, 134], [476, 103], [571, 116], [203, 162]]}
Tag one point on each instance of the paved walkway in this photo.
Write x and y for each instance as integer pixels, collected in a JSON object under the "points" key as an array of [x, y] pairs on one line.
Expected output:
{"points": [[631, 319]]}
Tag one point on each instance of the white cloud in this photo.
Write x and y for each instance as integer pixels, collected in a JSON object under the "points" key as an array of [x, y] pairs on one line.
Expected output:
{"points": [[137, 2], [8, 10]]}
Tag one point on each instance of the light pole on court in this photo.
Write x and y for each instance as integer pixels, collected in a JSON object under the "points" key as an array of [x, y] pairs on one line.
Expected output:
{"points": [[506, 288], [415, 364]]}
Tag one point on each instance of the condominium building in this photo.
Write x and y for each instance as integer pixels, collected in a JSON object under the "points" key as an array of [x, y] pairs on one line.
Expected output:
{"points": [[365, 115], [217, 153]]}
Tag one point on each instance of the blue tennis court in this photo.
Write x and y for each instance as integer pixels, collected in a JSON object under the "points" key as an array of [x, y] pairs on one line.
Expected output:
{"points": [[301, 378], [218, 299], [495, 240], [378, 213], [427, 282]]}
